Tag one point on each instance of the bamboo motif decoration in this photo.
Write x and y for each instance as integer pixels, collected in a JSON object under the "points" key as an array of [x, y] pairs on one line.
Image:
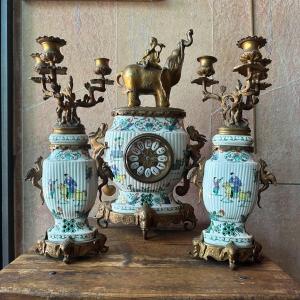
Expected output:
{"points": [[46, 65], [245, 96]]}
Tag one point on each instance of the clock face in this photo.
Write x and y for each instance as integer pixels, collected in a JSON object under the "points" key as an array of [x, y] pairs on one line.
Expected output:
{"points": [[148, 158]]}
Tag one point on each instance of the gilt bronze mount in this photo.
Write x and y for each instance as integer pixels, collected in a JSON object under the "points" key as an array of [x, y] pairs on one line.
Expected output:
{"points": [[146, 217], [68, 250], [234, 255], [46, 65], [147, 77], [245, 96]]}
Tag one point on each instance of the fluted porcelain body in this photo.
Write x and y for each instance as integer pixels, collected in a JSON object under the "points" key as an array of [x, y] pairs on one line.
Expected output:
{"points": [[70, 187], [157, 135], [230, 187]]}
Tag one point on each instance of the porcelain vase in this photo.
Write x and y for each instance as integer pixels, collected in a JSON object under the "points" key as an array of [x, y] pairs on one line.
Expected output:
{"points": [[230, 189], [70, 187]]}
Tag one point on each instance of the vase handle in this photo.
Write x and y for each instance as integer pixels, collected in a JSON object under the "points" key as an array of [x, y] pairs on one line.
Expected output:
{"points": [[35, 175], [195, 176], [103, 169], [266, 178], [195, 167]]}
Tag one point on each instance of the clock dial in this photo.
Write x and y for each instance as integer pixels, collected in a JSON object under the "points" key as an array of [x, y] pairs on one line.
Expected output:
{"points": [[148, 158]]}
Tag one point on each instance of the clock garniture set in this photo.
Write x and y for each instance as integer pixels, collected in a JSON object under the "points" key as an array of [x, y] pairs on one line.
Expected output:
{"points": [[147, 152]]}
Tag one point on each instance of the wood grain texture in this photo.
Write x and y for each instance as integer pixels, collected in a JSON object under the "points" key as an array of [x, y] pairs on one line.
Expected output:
{"points": [[159, 268]]}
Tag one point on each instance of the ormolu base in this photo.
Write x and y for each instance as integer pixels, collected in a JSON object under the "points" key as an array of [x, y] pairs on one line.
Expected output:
{"points": [[146, 217], [69, 250], [230, 252]]}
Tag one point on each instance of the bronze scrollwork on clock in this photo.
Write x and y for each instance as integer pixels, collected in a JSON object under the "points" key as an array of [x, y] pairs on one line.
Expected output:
{"points": [[148, 158]]}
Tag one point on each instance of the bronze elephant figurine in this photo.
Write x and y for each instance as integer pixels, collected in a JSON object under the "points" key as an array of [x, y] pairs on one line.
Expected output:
{"points": [[150, 79]]}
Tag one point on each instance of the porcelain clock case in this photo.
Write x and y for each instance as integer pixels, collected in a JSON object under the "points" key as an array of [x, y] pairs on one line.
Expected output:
{"points": [[230, 188], [146, 152]]}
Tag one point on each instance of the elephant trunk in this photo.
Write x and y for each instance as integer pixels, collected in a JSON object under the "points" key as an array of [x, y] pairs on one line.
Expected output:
{"points": [[189, 41], [119, 76]]}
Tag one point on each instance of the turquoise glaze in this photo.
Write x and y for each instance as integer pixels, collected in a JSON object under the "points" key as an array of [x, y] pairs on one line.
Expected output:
{"points": [[132, 192], [230, 187], [70, 187]]}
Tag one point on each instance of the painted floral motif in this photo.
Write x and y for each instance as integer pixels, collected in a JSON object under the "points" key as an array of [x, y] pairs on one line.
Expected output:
{"points": [[69, 225], [231, 229], [230, 190], [72, 225], [226, 138], [225, 228], [71, 139], [67, 155], [123, 124], [234, 156], [148, 124], [148, 198], [145, 124]]}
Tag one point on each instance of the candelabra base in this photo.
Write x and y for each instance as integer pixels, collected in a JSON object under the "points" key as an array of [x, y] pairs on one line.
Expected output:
{"points": [[69, 250], [229, 252], [146, 217]]}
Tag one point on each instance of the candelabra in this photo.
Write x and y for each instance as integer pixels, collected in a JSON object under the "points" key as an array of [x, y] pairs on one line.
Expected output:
{"points": [[233, 180], [69, 175]]}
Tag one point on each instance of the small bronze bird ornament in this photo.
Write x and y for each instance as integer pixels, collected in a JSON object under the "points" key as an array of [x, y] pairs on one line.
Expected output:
{"points": [[35, 175]]}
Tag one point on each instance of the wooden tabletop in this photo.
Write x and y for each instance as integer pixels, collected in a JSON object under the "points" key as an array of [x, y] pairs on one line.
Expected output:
{"points": [[159, 268]]}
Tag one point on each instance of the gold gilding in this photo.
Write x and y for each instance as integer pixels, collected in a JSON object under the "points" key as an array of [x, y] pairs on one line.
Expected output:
{"points": [[46, 62], [147, 77], [230, 252], [234, 131], [244, 96]]}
